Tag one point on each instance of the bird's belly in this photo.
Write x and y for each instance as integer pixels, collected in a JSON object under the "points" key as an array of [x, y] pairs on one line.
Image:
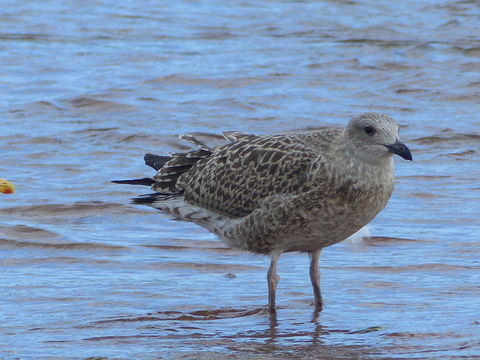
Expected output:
{"points": [[322, 231], [314, 236], [302, 230]]}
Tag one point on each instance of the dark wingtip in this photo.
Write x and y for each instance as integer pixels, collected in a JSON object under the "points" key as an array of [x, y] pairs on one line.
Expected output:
{"points": [[156, 161], [148, 199], [143, 181], [144, 199]]}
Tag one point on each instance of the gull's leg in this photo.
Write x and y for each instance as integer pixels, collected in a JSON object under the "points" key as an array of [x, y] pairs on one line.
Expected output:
{"points": [[272, 279], [315, 278]]}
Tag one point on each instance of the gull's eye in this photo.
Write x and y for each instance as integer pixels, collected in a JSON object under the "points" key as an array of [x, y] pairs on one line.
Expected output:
{"points": [[369, 130]]}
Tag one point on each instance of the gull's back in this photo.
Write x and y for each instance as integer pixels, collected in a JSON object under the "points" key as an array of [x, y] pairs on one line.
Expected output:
{"points": [[235, 178]]}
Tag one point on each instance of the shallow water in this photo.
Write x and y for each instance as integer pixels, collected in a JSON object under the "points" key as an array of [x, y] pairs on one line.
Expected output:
{"points": [[86, 91]]}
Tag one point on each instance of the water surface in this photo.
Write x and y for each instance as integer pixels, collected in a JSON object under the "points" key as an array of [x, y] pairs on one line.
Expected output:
{"points": [[87, 90]]}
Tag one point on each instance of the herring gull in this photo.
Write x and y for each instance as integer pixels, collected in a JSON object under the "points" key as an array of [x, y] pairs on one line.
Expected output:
{"points": [[271, 194]]}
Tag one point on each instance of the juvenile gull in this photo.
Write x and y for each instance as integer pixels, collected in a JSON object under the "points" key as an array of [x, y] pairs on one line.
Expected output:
{"points": [[272, 194]]}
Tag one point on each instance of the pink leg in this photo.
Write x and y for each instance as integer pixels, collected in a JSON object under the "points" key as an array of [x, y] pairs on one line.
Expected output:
{"points": [[272, 279], [315, 278]]}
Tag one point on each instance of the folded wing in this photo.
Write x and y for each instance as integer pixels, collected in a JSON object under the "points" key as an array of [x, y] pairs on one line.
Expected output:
{"points": [[235, 178]]}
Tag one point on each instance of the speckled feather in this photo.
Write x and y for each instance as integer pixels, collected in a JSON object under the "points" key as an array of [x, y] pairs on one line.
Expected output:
{"points": [[238, 176]]}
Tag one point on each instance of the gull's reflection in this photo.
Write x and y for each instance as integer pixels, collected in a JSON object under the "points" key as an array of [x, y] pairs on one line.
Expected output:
{"points": [[315, 331], [271, 332]]}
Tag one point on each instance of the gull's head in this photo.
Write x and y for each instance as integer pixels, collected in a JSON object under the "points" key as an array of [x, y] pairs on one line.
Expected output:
{"points": [[6, 187], [373, 137]]}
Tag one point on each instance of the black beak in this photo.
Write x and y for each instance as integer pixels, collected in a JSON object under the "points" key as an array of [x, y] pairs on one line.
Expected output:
{"points": [[400, 149]]}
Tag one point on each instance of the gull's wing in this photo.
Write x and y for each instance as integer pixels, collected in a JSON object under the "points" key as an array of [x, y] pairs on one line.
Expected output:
{"points": [[238, 176]]}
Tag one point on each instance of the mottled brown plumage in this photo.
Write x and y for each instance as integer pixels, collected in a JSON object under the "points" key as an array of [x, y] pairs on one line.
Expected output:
{"points": [[278, 193]]}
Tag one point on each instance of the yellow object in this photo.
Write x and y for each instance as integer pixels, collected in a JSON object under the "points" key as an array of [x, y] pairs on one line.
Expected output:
{"points": [[6, 187]]}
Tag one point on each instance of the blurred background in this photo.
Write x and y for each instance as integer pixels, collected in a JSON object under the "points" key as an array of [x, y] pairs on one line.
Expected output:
{"points": [[87, 88]]}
